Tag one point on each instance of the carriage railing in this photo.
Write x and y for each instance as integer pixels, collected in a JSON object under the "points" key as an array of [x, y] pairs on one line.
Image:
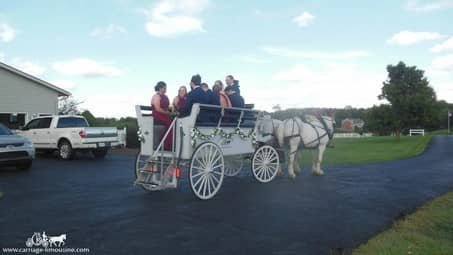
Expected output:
{"points": [[160, 148], [219, 116]]}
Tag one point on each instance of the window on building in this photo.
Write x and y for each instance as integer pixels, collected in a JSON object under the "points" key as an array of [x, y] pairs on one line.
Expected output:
{"points": [[13, 120]]}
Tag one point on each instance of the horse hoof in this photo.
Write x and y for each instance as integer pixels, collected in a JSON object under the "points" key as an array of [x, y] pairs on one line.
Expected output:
{"points": [[318, 173], [292, 176], [280, 173]]}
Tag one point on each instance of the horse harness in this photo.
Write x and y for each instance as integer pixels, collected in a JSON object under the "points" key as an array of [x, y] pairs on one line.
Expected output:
{"points": [[272, 132], [315, 127]]}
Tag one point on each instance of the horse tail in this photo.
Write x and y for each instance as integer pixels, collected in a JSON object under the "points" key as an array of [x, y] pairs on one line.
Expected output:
{"points": [[281, 134]]}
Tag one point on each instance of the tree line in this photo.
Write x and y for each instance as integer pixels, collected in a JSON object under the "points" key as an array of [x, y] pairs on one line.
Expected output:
{"points": [[409, 101]]}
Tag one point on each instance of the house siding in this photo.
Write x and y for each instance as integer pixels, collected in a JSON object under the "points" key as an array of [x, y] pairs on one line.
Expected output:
{"points": [[21, 95]]}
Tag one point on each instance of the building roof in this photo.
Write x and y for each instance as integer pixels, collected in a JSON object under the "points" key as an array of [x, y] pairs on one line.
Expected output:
{"points": [[61, 92]]}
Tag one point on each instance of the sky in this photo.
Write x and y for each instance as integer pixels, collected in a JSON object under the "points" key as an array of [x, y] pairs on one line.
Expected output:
{"points": [[110, 54]]}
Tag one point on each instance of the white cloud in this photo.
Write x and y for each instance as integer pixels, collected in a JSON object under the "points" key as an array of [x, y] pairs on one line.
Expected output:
{"points": [[408, 37], [114, 104], [330, 85], [108, 31], [87, 68], [443, 64], [64, 84], [417, 6], [7, 33], [286, 52], [444, 46], [304, 19], [28, 67], [254, 60], [175, 17], [2, 56]]}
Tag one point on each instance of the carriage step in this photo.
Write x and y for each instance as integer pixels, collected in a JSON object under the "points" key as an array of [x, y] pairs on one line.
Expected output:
{"points": [[165, 154], [156, 186], [146, 183]]}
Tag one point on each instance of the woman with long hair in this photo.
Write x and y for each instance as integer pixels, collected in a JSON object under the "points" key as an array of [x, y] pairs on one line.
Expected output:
{"points": [[223, 98], [160, 104], [180, 99]]}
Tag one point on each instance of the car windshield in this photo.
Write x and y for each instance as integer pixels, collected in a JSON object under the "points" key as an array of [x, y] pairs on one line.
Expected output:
{"points": [[4, 130], [70, 122]]}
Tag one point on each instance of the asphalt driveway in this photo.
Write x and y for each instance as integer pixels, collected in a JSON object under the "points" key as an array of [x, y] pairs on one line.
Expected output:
{"points": [[96, 205]]}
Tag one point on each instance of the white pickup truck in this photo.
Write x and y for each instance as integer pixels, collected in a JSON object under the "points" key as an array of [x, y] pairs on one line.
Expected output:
{"points": [[68, 134]]}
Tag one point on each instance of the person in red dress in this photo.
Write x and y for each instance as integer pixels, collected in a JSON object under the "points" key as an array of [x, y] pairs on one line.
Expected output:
{"points": [[180, 99], [160, 104]]}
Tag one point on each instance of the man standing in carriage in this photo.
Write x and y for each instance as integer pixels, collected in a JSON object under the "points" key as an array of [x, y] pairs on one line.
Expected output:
{"points": [[197, 95], [234, 84]]}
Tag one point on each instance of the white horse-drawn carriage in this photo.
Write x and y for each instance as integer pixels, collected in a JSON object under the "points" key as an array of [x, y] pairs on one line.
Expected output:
{"points": [[211, 143]]}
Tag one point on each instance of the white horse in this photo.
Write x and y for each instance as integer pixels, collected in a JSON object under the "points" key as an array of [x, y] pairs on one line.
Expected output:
{"points": [[267, 130], [311, 133], [57, 240]]}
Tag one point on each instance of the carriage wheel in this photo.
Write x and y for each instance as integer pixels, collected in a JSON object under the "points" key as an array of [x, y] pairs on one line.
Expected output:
{"points": [[206, 170], [265, 163], [141, 163], [233, 165]]}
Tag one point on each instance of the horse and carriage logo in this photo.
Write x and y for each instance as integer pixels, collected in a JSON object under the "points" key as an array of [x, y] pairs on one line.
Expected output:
{"points": [[38, 239]]}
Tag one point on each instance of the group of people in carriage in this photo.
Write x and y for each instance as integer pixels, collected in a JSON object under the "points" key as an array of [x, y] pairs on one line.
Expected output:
{"points": [[163, 112]]}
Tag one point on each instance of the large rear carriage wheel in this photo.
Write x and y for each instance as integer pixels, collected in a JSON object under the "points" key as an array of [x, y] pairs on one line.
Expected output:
{"points": [[206, 170], [265, 163]]}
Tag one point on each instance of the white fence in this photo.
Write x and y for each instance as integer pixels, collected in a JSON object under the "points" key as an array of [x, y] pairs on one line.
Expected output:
{"points": [[416, 132], [352, 135], [122, 134]]}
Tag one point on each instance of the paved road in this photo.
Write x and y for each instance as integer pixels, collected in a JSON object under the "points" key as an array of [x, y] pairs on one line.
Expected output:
{"points": [[95, 204]]}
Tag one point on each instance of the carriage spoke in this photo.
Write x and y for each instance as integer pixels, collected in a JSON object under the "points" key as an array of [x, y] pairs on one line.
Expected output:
{"points": [[266, 171], [272, 158], [199, 173], [217, 159], [205, 185], [198, 181], [208, 177], [201, 164], [215, 178], [209, 155], [202, 183]]}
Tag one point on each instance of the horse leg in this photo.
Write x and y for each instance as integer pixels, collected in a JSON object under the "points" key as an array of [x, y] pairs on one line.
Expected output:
{"points": [[314, 165], [297, 162], [282, 156], [293, 146], [321, 149]]}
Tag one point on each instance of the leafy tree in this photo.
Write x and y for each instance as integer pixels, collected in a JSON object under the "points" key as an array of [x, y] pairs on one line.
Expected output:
{"points": [[411, 97], [68, 106], [379, 119], [89, 117]]}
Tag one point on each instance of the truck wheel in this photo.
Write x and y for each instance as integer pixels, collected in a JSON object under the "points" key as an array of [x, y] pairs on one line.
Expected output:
{"points": [[99, 153], [24, 166], [65, 150]]}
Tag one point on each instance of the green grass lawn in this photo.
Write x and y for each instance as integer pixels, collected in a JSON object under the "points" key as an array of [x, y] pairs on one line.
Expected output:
{"points": [[371, 149], [429, 231]]}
